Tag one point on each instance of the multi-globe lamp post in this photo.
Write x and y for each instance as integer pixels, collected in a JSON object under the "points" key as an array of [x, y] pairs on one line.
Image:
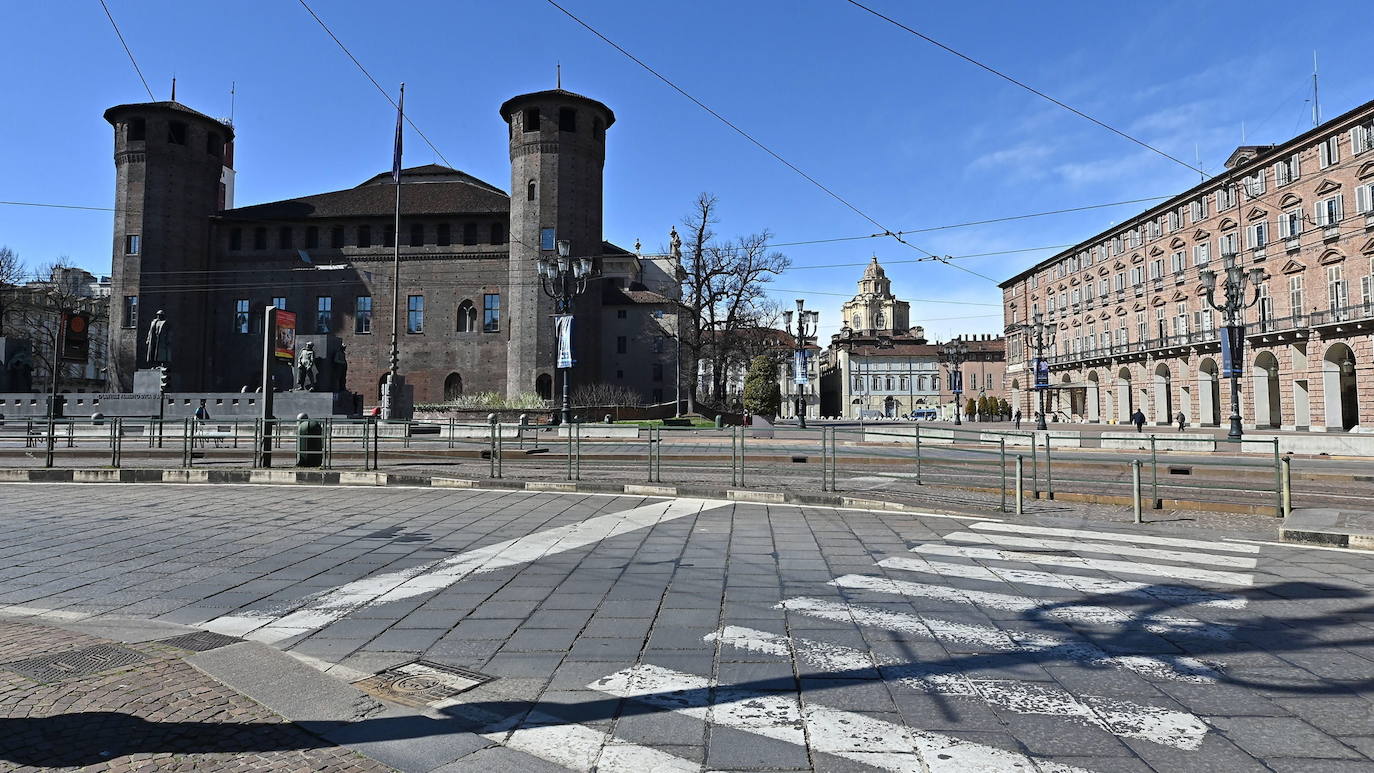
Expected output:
{"points": [[1233, 331], [954, 354], [563, 278], [1044, 336], [806, 327]]}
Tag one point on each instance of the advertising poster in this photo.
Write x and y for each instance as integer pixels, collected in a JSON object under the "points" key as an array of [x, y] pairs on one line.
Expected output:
{"points": [[1042, 373], [284, 337], [1232, 346], [562, 326]]}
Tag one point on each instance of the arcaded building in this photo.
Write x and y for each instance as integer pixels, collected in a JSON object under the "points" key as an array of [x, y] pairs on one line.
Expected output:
{"points": [[472, 314], [1128, 313]]}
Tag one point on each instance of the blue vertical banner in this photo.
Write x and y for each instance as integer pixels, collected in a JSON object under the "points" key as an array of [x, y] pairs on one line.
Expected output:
{"points": [[1042, 373], [799, 375], [562, 326], [1232, 351]]}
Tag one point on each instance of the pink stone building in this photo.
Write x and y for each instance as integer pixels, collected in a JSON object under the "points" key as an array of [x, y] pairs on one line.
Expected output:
{"points": [[1131, 326]]}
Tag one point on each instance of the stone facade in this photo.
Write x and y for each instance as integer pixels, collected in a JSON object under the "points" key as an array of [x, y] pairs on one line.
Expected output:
{"points": [[472, 315], [1128, 311], [877, 366]]}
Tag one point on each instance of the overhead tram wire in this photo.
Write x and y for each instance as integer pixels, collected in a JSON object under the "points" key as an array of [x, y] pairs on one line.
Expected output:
{"points": [[885, 230], [128, 51], [1025, 86]]}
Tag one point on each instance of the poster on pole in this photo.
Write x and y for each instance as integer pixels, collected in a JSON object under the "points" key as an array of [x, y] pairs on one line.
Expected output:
{"points": [[562, 326], [284, 337], [799, 374], [1042, 373], [1232, 351]]}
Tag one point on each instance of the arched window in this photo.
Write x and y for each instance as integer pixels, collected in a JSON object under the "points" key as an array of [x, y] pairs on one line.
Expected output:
{"points": [[453, 387], [543, 386], [530, 190], [467, 317], [879, 321], [856, 320]]}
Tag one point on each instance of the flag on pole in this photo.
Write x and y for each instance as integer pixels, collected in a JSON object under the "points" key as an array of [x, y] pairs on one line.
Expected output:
{"points": [[400, 116]]}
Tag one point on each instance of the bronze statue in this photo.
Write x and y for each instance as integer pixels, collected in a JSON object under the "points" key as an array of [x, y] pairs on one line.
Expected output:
{"points": [[306, 368], [158, 344], [340, 361]]}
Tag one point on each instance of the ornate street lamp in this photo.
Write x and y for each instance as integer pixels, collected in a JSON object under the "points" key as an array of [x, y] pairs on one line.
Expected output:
{"points": [[806, 327], [562, 279], [1044, 336], [953, 355], [1233, 332]]}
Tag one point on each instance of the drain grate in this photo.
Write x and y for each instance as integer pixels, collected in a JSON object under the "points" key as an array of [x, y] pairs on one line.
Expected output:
{"points": [[200, 641], [76, 663], [421, 683]]}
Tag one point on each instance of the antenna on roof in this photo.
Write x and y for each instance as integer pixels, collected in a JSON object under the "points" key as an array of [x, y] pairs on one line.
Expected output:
{"points": [[1316, 99], [232, 87], [174, 88], [1197, 154], [558, 75]]}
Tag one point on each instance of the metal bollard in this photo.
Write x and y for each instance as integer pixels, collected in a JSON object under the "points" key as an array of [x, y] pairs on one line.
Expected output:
{"points": [[1049, 470], [1135, 489], [1287, 488], [1020, 491], [491, 444], [1002, 468], [918, 455]]}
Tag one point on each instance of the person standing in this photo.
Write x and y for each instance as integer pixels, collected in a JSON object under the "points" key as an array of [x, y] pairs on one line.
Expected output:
{"points": [[1016, 417], [1181, 420], [202, 416], [1138, 419]]}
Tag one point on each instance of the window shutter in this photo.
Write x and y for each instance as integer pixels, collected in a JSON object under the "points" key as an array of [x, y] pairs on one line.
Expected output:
{"points": [[1323, 154], [1321, 213], [1363, 194], [1356, 140], [1340, 207]]}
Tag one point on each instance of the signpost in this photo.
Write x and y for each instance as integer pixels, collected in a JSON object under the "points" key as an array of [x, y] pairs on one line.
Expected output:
{"points": [[278, 342]]}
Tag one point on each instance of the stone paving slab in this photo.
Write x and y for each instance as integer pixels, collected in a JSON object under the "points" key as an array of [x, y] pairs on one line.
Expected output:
{"points": [[160, 714]]}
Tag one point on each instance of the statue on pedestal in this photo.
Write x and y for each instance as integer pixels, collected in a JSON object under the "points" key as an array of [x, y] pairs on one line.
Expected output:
{"points": [[340, 361], [674, 244], [158, 344], [306, 370]]}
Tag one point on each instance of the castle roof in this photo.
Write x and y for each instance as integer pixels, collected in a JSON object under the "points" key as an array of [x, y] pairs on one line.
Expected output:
{"points": [[426, 190], [175, 107], [508, 106]]}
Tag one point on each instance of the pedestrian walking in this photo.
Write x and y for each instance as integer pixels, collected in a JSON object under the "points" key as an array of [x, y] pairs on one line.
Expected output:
{"points": [[1181, 420], [202, 416], [1016, 417], [1138, 419]]}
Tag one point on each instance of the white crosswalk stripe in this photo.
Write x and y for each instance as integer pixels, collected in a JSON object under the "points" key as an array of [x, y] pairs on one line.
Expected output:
{"points": [[1177, 668], [1123, 718], [1075, 562], [1033, 608], [1080, 546], [782, 716], [1094, 586], [321, 609], [586, 749], [1143, 539]]}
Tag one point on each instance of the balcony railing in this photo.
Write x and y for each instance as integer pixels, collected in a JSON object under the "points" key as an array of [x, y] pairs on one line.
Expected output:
{"points": [[1196, 338], [1353, 313]]}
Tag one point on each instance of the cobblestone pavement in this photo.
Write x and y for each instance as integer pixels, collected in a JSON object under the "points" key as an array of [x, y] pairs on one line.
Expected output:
{"points": [[628, 634], [158, 714]]}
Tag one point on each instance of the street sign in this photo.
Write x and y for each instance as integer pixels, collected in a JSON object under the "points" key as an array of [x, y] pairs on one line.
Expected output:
{"points": [[76, 336], [284, 337], [1042, 373], [1232, 350]]}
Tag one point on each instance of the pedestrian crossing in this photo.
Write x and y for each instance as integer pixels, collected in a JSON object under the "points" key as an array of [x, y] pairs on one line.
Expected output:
{"points": [[988, 560]]}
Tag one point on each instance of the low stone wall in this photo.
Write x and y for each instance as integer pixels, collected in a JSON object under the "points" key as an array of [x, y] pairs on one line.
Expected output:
{"points": [[244, 406], [1313, 444], [1140, 441], [906, 435]]}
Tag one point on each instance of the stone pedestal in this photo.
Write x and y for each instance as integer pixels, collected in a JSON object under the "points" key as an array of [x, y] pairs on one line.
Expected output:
{"points": [[148, 381], [397, 399]]}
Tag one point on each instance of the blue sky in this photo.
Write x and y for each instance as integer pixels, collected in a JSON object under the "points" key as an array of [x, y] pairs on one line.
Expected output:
{"points": [[911, 135]]}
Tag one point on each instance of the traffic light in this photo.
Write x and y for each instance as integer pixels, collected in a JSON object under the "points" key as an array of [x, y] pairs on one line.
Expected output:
{"points": [[76, 336]]}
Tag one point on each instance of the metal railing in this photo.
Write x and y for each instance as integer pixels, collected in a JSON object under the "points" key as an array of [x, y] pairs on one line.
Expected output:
{"points": [[902, 461]]}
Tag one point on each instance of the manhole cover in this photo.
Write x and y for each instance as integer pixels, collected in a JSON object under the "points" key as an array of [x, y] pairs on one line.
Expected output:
{"points": [[69, 665], [200, 641], [421, 683]]}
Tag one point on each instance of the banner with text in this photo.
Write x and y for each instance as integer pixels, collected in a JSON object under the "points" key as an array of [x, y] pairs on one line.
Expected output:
{"points": [[562, 325], [284, 337]]}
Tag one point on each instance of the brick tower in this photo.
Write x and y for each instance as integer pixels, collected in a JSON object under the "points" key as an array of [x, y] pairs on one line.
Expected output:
{"points": [[169, 161], [557, 150]]}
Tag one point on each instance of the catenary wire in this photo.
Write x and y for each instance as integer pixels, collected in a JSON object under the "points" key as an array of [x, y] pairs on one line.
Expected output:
{"points": [[128, 51], [1025, 86]]}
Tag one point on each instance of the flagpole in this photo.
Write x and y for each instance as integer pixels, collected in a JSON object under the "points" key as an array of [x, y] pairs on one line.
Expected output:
{"points": [[395, 364]]}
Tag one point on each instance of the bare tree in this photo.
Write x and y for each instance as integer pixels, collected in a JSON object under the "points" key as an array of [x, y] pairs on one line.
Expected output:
{"points": [[11, 274], [722, 297], [58, 288]]}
